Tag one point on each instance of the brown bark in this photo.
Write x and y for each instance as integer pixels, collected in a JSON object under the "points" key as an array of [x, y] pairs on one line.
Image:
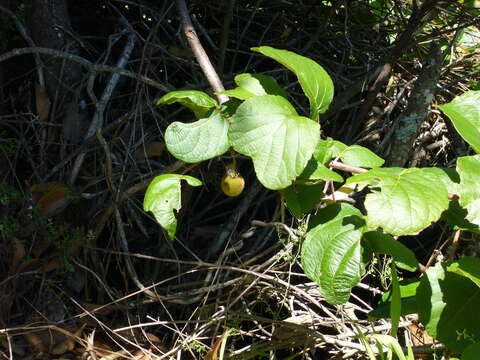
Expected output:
{"points": [[50, 26], [409, 122], [416, 22]]}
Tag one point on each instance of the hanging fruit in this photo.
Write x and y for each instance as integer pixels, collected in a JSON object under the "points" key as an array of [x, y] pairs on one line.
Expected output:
{"points": [[232, 183]]}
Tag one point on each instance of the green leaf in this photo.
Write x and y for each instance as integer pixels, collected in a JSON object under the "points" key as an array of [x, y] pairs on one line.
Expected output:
{"points": [[331, 251], [469, 190], [357, 155], [381, 243], [163, 196], [250, 85], [383, 310], [464, 111], [448, 176], [408, 288], [200, 140], [448, 307], [366, 343], [238, 93], [456, 218], [403, 201], [468, 267], [268, 129], [197, 101], [328, 149], [317, 171], [430, 298], [409, 302], [228, 108], [315, 81], [390, 342], [300, 199], [471, 352], [396, 303]]}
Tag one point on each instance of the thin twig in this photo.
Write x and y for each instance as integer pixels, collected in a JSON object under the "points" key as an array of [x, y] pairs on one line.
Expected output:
{"points": [[130, 268], [84, 62], [97, 121], [88, 144], [29, 40], [199, 52], [345, 167], [130, 192], [232, 222], [225, 35], [290, 231]]}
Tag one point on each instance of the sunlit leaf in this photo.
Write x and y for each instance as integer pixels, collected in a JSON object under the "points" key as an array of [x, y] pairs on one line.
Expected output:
{"points": [[200, 140], [268, 129], [469, 190], [464, 111], [315, 81], [163, 197], [331, 251], [403, 201], [468, 267], [317, 171], [250, 85], [197, 101]]}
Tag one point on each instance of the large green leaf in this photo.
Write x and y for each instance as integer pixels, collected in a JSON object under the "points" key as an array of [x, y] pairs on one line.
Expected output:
{"points": [[403, 201], [449, 177], [197, 101], [315, 81], [250, 85], [268, 129], [163, 196], [468, 267], [448, 307], [464, 111], [200, 140], [331, 253], [381, 243], [469, 190]]}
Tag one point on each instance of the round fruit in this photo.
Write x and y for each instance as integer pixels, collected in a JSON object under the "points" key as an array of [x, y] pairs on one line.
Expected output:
{"points": [[232, 183]]}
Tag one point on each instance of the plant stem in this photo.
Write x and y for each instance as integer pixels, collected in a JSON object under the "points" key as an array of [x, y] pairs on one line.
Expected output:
{"points": [[199, 52]]}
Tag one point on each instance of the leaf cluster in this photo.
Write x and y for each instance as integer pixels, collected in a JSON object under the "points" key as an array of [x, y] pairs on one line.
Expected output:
{"points": [[289, 155]]}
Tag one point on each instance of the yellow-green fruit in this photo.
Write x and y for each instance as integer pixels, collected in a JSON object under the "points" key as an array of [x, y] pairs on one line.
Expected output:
{"points": [[232, 183]]}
